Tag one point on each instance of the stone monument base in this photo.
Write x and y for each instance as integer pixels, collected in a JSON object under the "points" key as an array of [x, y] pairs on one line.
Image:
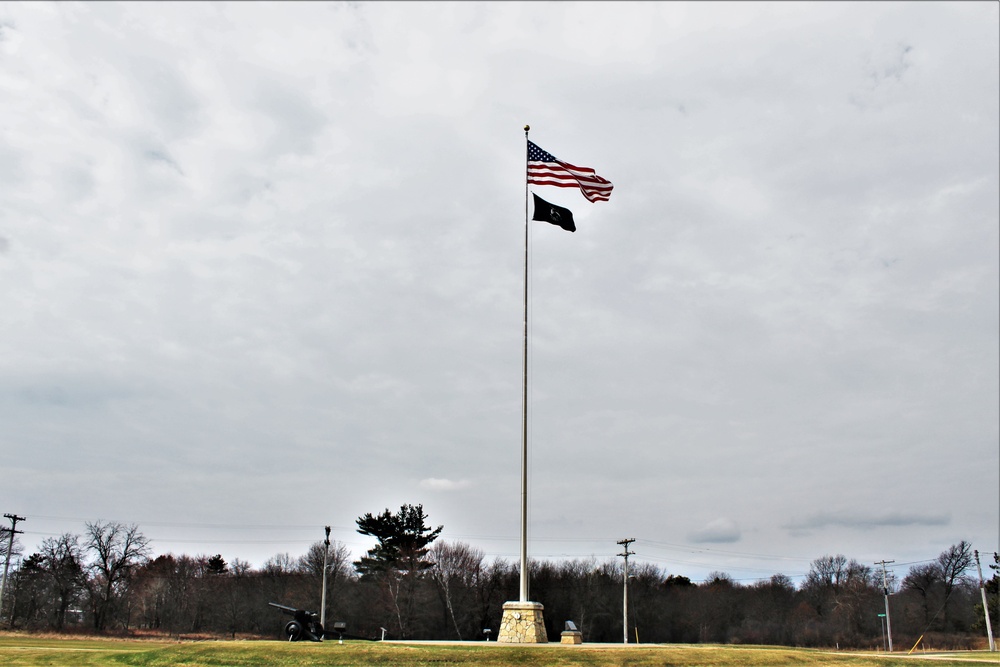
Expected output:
{"points": [[571, 637], [522, 623]]}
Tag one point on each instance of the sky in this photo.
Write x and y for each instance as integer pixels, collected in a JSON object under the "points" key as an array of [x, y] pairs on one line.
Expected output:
{"points": [[262, 271]]}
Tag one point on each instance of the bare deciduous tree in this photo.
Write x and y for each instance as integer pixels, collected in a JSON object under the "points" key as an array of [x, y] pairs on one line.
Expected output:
{"points": [[117, 550], [954, 562], [457, 570], [338, 571], [281, 563]]}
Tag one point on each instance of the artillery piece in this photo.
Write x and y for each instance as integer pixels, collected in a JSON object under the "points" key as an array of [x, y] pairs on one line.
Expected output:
{"points": [[304, 624]]}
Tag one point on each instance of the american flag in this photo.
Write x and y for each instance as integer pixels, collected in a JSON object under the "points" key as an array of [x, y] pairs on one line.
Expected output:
{"points": [[545, 169]]}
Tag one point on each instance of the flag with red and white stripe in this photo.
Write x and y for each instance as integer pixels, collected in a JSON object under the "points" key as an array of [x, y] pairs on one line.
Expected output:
{"points": [[545, 169]]}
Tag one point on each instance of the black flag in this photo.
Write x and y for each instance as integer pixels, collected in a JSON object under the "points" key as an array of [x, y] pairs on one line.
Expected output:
{"points": [[557, 215]]}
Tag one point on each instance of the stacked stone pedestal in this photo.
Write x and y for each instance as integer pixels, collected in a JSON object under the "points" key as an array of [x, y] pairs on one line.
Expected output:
{"points": [[522, 623], [571, 637]]}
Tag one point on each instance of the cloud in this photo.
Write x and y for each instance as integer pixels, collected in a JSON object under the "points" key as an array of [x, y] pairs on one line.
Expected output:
{"points": [[719, 531], [862, 521], [217, 249], [437, 484]]}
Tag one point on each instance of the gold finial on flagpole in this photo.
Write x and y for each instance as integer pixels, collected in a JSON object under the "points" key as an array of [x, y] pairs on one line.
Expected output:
{"points": [[527, 127]]}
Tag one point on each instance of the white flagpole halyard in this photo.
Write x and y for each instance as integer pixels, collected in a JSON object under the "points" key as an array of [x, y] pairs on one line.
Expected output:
{"points": [[524, 397]]}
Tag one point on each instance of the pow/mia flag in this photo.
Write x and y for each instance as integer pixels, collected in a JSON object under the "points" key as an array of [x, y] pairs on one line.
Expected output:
{"points": [[556, 215]]}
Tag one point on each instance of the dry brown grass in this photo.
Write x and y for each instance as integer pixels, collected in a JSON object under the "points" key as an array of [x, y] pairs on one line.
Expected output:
{"points": [[23, 650]]}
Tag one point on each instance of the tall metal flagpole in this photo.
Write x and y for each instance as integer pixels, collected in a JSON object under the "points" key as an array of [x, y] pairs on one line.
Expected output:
{"points": [[524, 396]]}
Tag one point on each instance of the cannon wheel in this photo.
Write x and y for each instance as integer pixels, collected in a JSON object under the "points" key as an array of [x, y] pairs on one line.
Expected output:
{"points": [[293, 630]]}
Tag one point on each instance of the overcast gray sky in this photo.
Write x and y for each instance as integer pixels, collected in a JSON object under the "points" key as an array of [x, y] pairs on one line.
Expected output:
{"points": [[261, 271]]}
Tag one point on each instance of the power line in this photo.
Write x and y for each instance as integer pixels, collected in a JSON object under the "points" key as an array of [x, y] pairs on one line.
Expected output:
{"points": [[716, 558], [228, 526], [693, 549]]}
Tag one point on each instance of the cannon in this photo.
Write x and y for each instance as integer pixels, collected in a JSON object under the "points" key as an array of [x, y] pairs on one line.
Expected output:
{"points": [[304, 624]]}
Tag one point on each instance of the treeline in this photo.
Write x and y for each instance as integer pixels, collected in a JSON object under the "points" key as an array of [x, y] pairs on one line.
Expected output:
{"points": [[107, 581]]}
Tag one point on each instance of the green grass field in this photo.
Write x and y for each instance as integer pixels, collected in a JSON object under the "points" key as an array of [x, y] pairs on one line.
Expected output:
{"points": [[25, 650]]}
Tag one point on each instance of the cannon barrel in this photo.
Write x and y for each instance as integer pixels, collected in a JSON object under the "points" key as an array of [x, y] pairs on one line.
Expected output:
{"points": [[288, 610]]}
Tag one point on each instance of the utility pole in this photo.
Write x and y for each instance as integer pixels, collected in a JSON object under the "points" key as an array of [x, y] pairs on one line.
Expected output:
{"points": [[10, 547], [322, 604], [986, 607], [885, 590], [626, 554]]}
